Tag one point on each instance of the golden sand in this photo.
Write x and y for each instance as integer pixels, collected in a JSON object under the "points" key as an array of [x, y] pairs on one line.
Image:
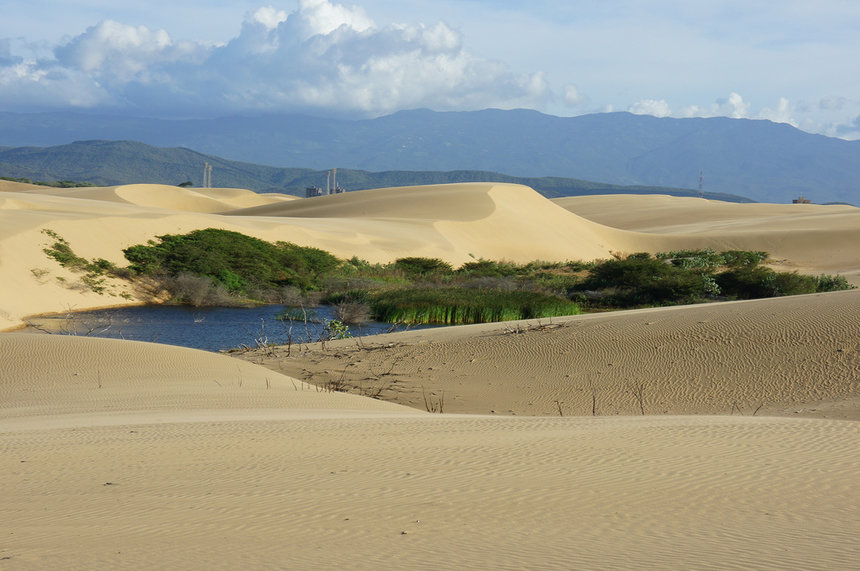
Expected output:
{"points": [[131, 455]]}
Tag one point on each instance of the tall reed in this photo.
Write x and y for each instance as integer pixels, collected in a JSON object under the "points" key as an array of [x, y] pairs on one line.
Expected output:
{"points": [[455, 306]]}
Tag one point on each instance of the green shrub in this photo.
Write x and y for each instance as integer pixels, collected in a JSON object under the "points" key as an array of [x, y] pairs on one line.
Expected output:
{"points": [[833, 283], [236, 261], [490, 268], [415, 266], [632, 271], [743, 258], [640, 279], [751, 282]]}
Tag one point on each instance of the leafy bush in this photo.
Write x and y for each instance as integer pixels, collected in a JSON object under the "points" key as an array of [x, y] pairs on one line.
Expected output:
{"points": [[709, 259], [640, 279], [751, 282], [490, 268], [236, 261], [415, 266], [833, 283], [743, 258]]}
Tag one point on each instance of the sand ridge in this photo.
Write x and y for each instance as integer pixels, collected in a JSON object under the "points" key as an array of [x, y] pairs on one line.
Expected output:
{"points": [[202, 200]]}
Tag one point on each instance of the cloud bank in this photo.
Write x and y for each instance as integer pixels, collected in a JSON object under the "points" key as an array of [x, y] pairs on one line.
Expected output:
{"points": [[322, 56]]}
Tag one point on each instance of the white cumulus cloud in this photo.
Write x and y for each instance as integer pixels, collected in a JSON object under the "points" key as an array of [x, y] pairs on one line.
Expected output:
{"points": [[322, 56], [655, 107], [573, 97], [782, 113], [732, 106]]}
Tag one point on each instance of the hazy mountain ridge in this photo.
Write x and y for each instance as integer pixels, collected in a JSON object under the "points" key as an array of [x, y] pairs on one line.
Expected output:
{"points": [[760, 159], [108, 163]]}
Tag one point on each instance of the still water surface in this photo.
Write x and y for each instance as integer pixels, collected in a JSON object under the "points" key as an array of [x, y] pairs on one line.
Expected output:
{"points": [[211, 329]]}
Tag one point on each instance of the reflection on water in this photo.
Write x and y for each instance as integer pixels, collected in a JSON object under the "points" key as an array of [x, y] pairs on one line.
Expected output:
{"points": [[211, 329]]}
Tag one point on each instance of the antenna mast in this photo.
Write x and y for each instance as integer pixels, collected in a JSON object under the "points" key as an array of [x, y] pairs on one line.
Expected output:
{"points": [[701, 180]]}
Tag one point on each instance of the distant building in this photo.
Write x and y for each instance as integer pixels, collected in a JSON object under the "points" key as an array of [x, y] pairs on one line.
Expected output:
{"points": [[331, 186], [801, 200]]}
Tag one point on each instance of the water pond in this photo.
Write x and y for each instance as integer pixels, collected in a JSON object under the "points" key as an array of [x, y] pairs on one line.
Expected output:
{"points": [[210, 329]]}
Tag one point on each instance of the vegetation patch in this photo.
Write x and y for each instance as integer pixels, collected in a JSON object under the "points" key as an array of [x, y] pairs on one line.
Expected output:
{"points": [[220, 267], [692, 276], [55, 184], [95, 271], [240, 264], [455, 306]]}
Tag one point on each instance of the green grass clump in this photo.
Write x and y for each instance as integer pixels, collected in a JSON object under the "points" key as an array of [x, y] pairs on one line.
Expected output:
{"points": [[455, 306]]}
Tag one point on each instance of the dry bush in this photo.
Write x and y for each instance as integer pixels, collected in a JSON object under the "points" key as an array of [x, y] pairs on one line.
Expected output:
{"points": [[291, 296], [353, 312], [198, 290]]}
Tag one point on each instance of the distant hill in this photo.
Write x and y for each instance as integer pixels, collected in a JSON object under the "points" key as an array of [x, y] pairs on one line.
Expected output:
{"points": [[760, 159], [108, 163]]}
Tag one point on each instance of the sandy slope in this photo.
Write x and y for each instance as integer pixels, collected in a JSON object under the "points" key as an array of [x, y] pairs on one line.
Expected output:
{"points": [[807, 237], [129, 455], [794, 356], [202, 200], [59, 378], [176, 463], [9, 186]]}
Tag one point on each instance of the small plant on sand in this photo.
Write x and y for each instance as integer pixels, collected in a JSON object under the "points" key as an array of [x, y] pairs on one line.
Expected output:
{"points": [[335, 329], [94, 270], [434, 405]]}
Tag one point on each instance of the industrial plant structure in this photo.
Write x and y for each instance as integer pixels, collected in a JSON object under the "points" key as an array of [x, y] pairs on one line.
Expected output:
{"points": [[331, 186]]}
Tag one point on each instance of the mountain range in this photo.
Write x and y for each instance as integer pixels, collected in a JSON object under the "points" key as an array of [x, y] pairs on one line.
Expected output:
{"points": [[766, 161], [108, 163]]}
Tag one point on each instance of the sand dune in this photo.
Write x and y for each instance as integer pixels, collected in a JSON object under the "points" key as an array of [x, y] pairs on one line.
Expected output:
{"points": [[459, 222], [187, 459], [202, 200], [810, 238], [65, 376], [9, 186], [790, 356], [130, 455]]}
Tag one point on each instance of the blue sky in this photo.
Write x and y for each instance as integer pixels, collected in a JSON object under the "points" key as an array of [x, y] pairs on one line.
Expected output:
{"points": [[790, 61]]}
